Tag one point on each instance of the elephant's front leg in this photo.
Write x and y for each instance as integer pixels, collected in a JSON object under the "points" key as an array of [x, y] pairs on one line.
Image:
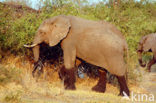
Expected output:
{"points": [[67, 72], [101, 85], [150, 64]]}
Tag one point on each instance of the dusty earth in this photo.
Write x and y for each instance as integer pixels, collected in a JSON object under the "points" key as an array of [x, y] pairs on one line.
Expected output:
{"points": [[49, 89], [149, 81]]}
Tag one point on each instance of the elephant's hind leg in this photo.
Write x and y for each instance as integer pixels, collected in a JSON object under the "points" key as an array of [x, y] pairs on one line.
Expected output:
{"points": [[150, 64], [123, 85], [101, 85]]}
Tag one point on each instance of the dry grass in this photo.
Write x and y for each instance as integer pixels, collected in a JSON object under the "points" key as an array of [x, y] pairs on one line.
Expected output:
{"points": [[49, 89]]}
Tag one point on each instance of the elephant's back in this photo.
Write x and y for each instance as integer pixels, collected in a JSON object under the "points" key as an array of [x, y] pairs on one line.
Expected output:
{"points": [[112, 27], [86, 30]]}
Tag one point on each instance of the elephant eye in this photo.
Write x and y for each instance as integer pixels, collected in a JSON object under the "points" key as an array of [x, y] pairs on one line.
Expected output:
{"points": [[41, 32]]}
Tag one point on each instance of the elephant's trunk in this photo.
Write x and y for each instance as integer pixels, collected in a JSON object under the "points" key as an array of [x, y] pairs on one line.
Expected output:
{"points": [[140, 58], [35, 46]]}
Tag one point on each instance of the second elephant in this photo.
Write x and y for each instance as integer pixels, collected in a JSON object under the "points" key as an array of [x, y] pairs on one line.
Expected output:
{"points": [[147, 44]]}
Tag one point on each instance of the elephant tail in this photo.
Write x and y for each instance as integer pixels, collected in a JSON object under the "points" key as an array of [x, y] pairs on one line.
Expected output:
{"points": [[126, 57]]}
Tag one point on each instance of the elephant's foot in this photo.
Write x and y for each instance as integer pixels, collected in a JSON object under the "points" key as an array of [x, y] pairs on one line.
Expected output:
{"points": [[111, 78], [68, 75], [101, 85], [149, 67], [153, 61], [149, 70], [70, 87], [99, 88], [123, 86]]}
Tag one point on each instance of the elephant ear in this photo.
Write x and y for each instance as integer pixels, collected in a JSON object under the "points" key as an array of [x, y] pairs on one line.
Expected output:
{"points": [[60, 29], [147, 45]]}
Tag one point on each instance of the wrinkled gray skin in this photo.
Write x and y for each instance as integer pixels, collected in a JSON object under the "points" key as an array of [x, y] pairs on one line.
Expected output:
{"points": [[147, 43], [98, 43]]}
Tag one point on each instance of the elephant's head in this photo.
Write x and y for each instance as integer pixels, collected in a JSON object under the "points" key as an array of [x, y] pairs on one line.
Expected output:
{"points": [[51, 31], [144, 46]]}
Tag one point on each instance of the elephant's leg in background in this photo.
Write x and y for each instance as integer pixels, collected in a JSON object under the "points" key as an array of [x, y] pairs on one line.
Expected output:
{"points": [[101, 85], [67, 72], [123, 85], [77, 62], [111, 78], [150, 64]]}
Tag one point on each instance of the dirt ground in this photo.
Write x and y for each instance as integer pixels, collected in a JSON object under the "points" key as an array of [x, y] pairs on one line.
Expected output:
{"points": [[149, 80]]}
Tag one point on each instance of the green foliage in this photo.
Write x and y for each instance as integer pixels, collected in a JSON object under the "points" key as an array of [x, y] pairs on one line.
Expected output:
{"points": [[22, 32]]}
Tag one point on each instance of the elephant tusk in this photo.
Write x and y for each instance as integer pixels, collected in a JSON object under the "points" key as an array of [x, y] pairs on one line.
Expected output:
{"points": [[30, 46]]}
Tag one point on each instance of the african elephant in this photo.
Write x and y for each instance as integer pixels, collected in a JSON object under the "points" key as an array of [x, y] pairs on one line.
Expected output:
{"points": [[147, 43], [97, 43]]}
